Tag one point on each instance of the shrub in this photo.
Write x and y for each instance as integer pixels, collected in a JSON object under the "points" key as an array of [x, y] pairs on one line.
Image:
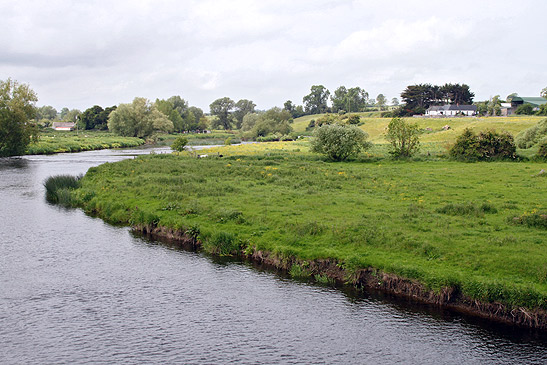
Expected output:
{"points": [[526, 109], [339, 142], [58, 188], [179, 143], [542, 151], [467, 209], [530, 136], [485, 146], [403, 137], [533, 219]]}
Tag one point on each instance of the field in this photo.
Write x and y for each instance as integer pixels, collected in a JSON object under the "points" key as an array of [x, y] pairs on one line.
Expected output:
{"points": [[476, 227], [64, 141]]}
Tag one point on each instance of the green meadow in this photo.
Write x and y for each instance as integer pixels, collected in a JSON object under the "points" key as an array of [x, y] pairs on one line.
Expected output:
{"points": [[64, 141], [477, 227]]}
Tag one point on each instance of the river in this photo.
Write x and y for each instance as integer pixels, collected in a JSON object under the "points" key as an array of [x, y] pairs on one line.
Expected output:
{"points": [[74, 289]]}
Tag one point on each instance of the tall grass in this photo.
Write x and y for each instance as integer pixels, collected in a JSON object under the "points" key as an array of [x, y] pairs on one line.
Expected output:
{"points": [[58, 188]]}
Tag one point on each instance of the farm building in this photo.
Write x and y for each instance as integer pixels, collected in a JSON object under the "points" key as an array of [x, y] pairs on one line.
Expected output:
{"points": [[451, 110], [535, 101], [63, 126]]}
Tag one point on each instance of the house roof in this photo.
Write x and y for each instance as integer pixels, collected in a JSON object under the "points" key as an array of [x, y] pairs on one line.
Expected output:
{"points": [[63, 125], [452, 107], [534, 100]]}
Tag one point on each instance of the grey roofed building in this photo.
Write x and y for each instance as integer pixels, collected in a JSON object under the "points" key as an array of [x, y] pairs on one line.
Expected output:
{"points": [[451, 110]]}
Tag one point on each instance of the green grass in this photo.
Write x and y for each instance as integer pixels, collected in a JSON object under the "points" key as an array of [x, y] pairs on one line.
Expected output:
{"points": [[442, 223], [64, 141]]}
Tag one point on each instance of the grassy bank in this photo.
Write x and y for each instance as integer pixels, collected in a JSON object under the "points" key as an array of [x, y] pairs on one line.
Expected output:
{"points": [[64, 141], [476, 228]]}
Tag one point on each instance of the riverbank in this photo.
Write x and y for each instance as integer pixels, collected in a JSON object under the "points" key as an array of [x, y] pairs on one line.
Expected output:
{"points": [[51, 142], [445, 232]]}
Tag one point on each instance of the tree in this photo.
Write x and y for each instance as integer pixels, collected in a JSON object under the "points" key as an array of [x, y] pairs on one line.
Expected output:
{"points": [[273, 121], [138, 119], [339, 142], [17, 107], [510, 97], [198, 114], [403, 137], [179, 143], [381, 101], [222, 109], [168, 109], [543, 93], [349, 100], [72, 115], [46, 112], [95, 118], [316, 101], [395, 102], [494, 106], [242, 108], [418, 98]]}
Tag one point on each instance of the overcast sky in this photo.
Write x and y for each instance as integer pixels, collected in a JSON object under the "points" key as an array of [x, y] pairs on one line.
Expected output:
{"points": [[81, 53]]}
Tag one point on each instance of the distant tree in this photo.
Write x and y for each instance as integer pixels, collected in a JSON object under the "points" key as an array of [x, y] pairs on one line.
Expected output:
{"points": [[543, 93], [46, 112], [273, 121], [198, 114], [17, 107], [316, 101], [339, 142], [395, 102], [242, 108], [403, 137], [138, 119], [168, 109], [381, 101], [95, 118], [349, 100], [63, 113], [188, 121], [494, 106], [71, 116], [249, 121], [457, 94], [418, 98], [510, 97], [222, 109]]}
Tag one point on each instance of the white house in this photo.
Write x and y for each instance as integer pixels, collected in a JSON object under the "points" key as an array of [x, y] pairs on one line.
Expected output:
{"points": [[63, 126], [451, 110]]}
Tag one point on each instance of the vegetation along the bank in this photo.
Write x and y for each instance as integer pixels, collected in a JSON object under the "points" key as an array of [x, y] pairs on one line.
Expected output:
{"points": [[475, 228]]}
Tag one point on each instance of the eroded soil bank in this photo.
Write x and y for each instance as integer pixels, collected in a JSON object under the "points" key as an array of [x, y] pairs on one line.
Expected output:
{"points": [[370, 278]]}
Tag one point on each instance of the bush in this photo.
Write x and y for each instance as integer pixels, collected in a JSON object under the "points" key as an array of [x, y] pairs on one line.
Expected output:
{"points": [[339, 142], [485, 146], [525, 109], [530, 136], [403, 137], [179, 143], [542, 151]]}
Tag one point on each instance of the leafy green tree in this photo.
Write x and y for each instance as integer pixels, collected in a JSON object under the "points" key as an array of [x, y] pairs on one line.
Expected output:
{"points": [[222, 109], [242, 108], [46, 112], [510, 97], [95, 118], [273, 121], [494, 106], [138, 119], [543, 93], [17, 107], [316, 101], [198, 114], [381, 101], [350, 100], [403, 137], [179, 143], [168, 109], [249, 121], [525, 109], [63, 113], [339, 142], [395, 102]]}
